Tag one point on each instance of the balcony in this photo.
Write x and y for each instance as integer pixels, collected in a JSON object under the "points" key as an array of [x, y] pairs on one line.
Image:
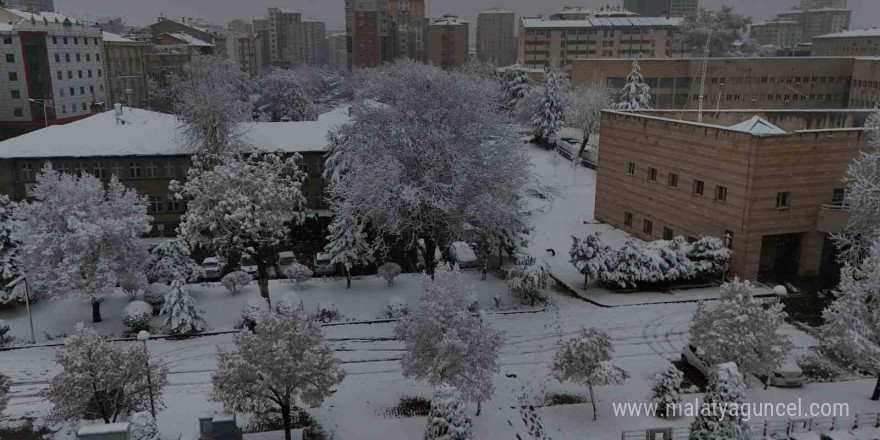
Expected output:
{"points": [[832, 218]]}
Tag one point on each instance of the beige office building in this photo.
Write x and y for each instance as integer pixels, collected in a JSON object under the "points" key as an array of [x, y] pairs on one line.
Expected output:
{"points": [[496, 39], [449, 41], [857, 42]]}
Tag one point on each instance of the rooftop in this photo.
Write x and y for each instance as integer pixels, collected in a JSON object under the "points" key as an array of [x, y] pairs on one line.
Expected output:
{"points": [[875, 32], [39, 16], [541, 23], [148, 133], [113, 38], [188, 39], [756, 126], [449, 20]]}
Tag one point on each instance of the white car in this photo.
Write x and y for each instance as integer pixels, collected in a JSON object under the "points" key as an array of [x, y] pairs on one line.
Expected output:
{"points": [[788, 375], [462, 254], [247, 264], [212, 268]]}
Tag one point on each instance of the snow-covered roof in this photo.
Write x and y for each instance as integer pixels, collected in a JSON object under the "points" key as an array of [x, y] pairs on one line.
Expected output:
{"points": [[449, 20], [148, 133], [188, 39], [540, 23], [113, 38], [776, 22], [759, 130], [875, 32], [103, 428], [5, 27], [496, 11], [757, 125], [39, 15]]}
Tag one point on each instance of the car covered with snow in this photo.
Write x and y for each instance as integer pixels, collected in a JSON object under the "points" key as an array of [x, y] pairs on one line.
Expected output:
{"points": [[247, 264], [462, 255], [212, 268], [788, 375], [323, 265], [283, 260]]}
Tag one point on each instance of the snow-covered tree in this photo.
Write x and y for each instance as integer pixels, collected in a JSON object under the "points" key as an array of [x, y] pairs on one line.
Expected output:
{"points": [[711, 257], [101, 380], [212, 100], [5, 338], [725, 395], [447, 342], [171, 261], [862, 199], [288, 94], [583, 109], [725, 27], [136, 316], [591, 257], [667, 390], [636, 94], [9, 267], [447, 419], [636, 265], [529, 278], [183, 316], [78, 235], [425, 158], [550, 115], [482, 69], [5, 384], [740, 329], [282, 363], [235, 281], [347, 245], [298, 274], [389, 271], [586, 359], [243, 205], [852, 322], [143, 426], [516, 86], [678, 265]]}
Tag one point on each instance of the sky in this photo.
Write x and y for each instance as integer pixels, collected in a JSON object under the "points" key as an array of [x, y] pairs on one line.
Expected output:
{"points": [[866, 13]]}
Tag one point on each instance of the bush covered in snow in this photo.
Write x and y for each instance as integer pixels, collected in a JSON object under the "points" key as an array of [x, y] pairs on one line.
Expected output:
{"points": [[289, 303], [529, 278], [667, 390], [154, 295], [447, 419], [143, 426], [4, 333], [397, 308], [327, 312], [235, 281], [710, 256], [389, 271], [592, 258], [5, 383], [136, 316], [251, 311], [298, 273], [726, 394], [818, 368]]}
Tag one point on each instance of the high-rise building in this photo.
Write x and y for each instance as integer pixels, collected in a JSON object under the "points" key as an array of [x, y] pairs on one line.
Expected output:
{"points": [[818, 4], [34, 5], [261, 30], [368, 30], [337, 54], [819, 17], [284, 32], [661, 8], [449, 41], [784, 34], [407, 22], [495, 36], [245, 53], [313, 43]]}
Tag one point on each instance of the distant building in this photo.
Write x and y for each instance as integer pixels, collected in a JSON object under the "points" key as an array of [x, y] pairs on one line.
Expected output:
{"points": [[261, 30], [858, 42], [815, 22], [496, 39], [34, 5], [662, 8], [819, 4], [406, 24], [244, 50], [284, 36], [337, 54], [125, 70], [369, 33], [114, 25], [185, 28], [782, 34], [449, 41], [313, 43], [52, 72], [170, 52], [241, 26], [865, 83]]}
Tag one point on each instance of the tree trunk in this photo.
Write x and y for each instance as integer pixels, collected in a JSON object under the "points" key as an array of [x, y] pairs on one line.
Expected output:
{"points": [[263, 282], [500, 256], [479, 406], [285, 417], [584, 143], [96, 313], [586, 280], [876, 395], [347, 277], [593, 401], [430, 263]]}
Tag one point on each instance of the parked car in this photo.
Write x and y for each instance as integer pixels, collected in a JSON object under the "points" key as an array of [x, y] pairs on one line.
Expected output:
{"points": [[283, 260], [568, 147], [212, 268], [462, 255], [323, 266], [788, 375], [247, 264]]}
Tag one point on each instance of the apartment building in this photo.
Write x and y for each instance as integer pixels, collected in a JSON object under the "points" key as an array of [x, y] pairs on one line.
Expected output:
{"points": [[759, 83], [496, 39], [815, 22], [369, 33], [865, 83], [125, 70], [662, 8], [784, 34], [187, 29], [245, 52], [857, 42], [337, 53], [560, 43], [818, 4], [776, 193], [313, 43], [284, 36], [407, 21], [170, 52], [51, 71], [261, 30], [449, 41], [31, 5]]}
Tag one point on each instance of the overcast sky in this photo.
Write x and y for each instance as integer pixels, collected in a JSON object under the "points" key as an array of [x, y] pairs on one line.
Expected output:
{"points": [[866, 13]]}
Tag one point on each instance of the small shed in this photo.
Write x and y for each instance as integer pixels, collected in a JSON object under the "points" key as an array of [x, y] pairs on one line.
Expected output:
{"points": [[108, 431]]}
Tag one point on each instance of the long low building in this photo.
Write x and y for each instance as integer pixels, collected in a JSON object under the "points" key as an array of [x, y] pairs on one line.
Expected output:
{"points": [[776, 193], [143, 149]]}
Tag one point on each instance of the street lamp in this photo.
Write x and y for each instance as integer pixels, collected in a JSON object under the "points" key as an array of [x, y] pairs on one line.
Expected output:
{"points": [[43, 103], [144, 336]]}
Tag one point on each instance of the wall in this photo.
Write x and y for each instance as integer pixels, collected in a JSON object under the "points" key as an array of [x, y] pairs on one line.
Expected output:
{"points": [[788, 120]]}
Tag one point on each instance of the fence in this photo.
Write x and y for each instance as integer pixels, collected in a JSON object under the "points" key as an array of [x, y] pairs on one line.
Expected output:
{"points": [[767, 427]]}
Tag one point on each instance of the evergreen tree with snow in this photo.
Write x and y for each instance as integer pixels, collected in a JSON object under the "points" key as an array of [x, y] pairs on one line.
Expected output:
{"points": [[550, 115], [861, 199], [347, 245], [591, 257], [80, 236], [852, 322], [722, 418], [183, 316], [678, 265], [586, 359], [529, 278], [447, 341], [667, 390], [280, 363], [720, 335], [636, 265], [516, 86], [447, 419], [171, 260], [636, 94], [5, 384], [9, 268], [711, 257]]}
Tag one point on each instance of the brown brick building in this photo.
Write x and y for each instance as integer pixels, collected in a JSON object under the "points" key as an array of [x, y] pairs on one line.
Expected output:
{"points": [[865, 91], [776, 193]]}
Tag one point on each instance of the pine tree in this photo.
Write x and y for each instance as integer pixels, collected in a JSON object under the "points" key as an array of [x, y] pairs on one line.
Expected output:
{"points": [[347, 245], [711, 257], [183, 316], [675, 254], [636, 94], [667, 390], [516, 86], [725, 396], [591, 257], [550, 115], [5, 383], [447, 419], [171, 261], [9, 269], [627, 270]]}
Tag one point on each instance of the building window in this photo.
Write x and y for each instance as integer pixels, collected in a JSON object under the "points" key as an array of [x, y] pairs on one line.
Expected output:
{"points": [[69, 74], [18, 112], [67, 57], [13, 76], [96, 42], [88, 57], [699, 187], [65, 40], [668, 234], [7, 40], [652, 174], [79, 73], [98, 57], [57, 58], [173, 205], [169, 169], [90, 73], [79, 168], [838, 196], [100, 171], [134, 169], [155, 204], [782, 200], [99, 73], [10, 58], [720, 193], [630, 168], [152, 169], [75, 40], [28, 174], [54, 40], [84, 106], [60, 75], [82, 90], [648, 227], [672, 180], [116, 169], [63, 109], [72, 91], [15, 94]]}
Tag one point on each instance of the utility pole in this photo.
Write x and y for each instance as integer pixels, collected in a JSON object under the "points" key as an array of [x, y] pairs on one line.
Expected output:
{"points": [[703, 77]]}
